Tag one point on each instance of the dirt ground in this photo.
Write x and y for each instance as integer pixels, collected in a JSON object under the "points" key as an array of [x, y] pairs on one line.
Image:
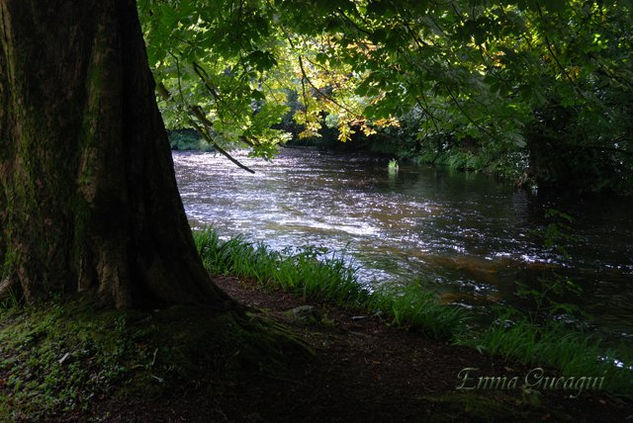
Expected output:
{"points": [[363, 371]]}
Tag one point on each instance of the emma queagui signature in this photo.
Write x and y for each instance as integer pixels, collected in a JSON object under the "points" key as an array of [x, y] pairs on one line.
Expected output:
{"points": [[468, 379]]}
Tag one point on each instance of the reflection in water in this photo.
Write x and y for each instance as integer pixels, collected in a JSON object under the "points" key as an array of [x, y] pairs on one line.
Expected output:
{"points": [[465, 232]]}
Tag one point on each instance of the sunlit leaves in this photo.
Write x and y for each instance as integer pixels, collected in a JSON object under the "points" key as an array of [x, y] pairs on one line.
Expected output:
{"points": [[498, 72]]}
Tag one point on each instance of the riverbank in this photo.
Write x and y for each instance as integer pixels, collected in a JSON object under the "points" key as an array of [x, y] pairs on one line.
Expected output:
{"points": [[368, 371], [319, 276], [480, 242], [309, 345], [160, 366]]}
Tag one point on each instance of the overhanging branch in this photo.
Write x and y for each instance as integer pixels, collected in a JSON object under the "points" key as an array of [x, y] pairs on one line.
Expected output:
{"points": [[197, 112], [202, 131]]}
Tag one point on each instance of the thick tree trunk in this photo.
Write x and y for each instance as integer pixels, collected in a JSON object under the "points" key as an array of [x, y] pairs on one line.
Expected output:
{"points": [[88, 199]]}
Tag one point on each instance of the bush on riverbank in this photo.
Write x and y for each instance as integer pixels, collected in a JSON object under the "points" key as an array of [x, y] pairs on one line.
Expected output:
{"points": [[187, 140], [413, 306]]}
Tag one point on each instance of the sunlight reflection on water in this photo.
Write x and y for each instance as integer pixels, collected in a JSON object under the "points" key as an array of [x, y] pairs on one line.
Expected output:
{"points": [[465, 232]]}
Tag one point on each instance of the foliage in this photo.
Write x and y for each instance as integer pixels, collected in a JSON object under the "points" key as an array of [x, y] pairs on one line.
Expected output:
{"points": [[573, 352], [550, 295], [486, 84]]}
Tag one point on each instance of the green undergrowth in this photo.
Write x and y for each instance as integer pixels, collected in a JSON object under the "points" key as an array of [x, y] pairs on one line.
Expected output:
{"points": [[551, 344], [56, 358], [317, 276], [306, 273], [188, 140]]}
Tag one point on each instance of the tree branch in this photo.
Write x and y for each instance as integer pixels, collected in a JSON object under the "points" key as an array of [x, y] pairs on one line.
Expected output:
{"points": [[202, 131], [197, 112], [325, 95], [548, 45]]}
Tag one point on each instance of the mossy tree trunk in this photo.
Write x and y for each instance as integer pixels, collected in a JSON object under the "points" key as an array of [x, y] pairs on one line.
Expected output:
{"points": [[88, 197]]}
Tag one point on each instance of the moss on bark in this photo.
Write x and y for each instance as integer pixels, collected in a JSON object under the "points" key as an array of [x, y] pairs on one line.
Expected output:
{"points": [[89, 197]]}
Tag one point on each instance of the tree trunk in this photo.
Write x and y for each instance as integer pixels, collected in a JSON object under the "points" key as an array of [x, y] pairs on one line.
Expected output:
{"points": [[88, 201]]}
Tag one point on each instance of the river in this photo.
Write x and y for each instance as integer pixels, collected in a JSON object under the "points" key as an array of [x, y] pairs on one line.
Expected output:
{"points": [[474, 239]]}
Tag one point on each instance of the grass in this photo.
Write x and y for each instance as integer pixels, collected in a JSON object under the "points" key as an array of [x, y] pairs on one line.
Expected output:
{"points": [[551, 344], [315, 275], [414, 306], [309, 273]]}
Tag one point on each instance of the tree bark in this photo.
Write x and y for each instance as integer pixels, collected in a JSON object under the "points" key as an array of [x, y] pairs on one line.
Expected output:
{"points": [[88, 196]]}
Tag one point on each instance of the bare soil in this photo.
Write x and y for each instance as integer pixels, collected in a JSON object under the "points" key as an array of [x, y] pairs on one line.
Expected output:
{"points": [[363, 371]]}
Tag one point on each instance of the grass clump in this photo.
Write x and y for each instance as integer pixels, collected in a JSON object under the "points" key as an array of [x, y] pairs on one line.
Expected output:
{"points": [[309, 273], [316, 276], [414, 306], [552, 344]]}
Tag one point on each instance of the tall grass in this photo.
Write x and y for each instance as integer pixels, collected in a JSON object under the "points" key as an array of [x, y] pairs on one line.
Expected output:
{"points": [[319, 276], [309, 273], [571, 351], [413, 305]]}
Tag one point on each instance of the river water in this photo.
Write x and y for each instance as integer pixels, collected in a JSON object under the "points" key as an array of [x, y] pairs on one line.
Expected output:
{"points": [[474, 239]]}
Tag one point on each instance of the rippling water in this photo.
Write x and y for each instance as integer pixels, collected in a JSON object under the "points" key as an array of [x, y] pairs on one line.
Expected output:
{"points": [[470, 235]]}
